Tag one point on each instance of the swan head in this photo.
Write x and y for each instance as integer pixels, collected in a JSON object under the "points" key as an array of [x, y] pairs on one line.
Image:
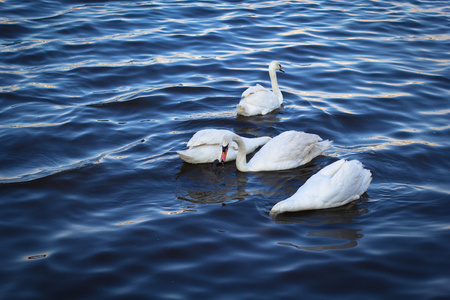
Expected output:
{"points": [[275, 65], [225, 143]]}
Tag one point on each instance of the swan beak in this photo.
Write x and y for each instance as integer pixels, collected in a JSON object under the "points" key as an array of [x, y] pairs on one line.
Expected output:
{"points": [[224, 153], [281, 69]]}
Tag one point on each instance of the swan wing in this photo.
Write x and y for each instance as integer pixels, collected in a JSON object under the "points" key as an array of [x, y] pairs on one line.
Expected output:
{"points": [[202, 154], [252, 90], [207, 137], [257, 100]]}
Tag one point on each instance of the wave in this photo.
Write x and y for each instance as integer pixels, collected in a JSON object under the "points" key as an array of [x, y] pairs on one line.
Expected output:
{"points": [[42, 173]]}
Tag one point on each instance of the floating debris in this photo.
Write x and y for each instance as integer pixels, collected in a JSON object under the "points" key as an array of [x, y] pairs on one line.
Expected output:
{"points": [[38, 256]]}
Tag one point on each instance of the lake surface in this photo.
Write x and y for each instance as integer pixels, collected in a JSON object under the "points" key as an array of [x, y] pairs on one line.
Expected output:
{"points": [[96, 97]]}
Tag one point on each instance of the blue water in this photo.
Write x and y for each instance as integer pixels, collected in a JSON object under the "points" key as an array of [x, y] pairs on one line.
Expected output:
{"points": [[96, 97]]}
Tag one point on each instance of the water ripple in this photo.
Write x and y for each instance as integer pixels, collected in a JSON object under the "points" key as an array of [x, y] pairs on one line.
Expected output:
{"points": [[98, 97]]}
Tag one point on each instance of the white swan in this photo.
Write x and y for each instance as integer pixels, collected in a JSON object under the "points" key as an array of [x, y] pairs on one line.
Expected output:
{"points": [[285, 151], [335, 185], [257, 100], [205, 146]]}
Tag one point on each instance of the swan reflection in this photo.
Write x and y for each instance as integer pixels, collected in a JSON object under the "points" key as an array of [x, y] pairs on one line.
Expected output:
{"points": [[317, 230], [349, 234], [261, 120], [205, 184], [334, 229], [202, 183]]}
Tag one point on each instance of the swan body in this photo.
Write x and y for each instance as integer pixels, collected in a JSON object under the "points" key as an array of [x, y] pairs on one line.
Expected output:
{"points": [[335, 185], [257, 100], [205, 146], [288, 150]]}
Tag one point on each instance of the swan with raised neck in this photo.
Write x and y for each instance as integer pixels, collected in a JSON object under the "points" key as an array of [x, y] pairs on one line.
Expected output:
{"points": [[287, 150], [257, 100], [273, 67]]}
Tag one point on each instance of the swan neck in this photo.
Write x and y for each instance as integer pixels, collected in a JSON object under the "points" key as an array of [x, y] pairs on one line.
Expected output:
{"points": [[241, 158], [275, 88], [260, 141]]}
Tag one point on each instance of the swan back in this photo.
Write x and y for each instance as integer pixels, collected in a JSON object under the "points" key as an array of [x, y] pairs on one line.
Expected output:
{"points": [[253, 90], [207, 137], [288, 150], [258, 101], [335, 185]]}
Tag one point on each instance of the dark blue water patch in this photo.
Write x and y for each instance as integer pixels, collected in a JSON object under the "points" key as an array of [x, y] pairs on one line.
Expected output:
{"points": [[238, 20], [50, 144], [14, 32], [180, 93], [33, 55], [106, 77], [25, 9], [9, 81], [81, 30], [133, 107]]}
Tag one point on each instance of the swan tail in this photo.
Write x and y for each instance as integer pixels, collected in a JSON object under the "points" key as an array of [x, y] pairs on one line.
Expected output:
{"points": [[332, 169], [318, 148], [324, 145], [366, 180], [353, 175], [241, 109], [314, 150], [362, 181]]}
